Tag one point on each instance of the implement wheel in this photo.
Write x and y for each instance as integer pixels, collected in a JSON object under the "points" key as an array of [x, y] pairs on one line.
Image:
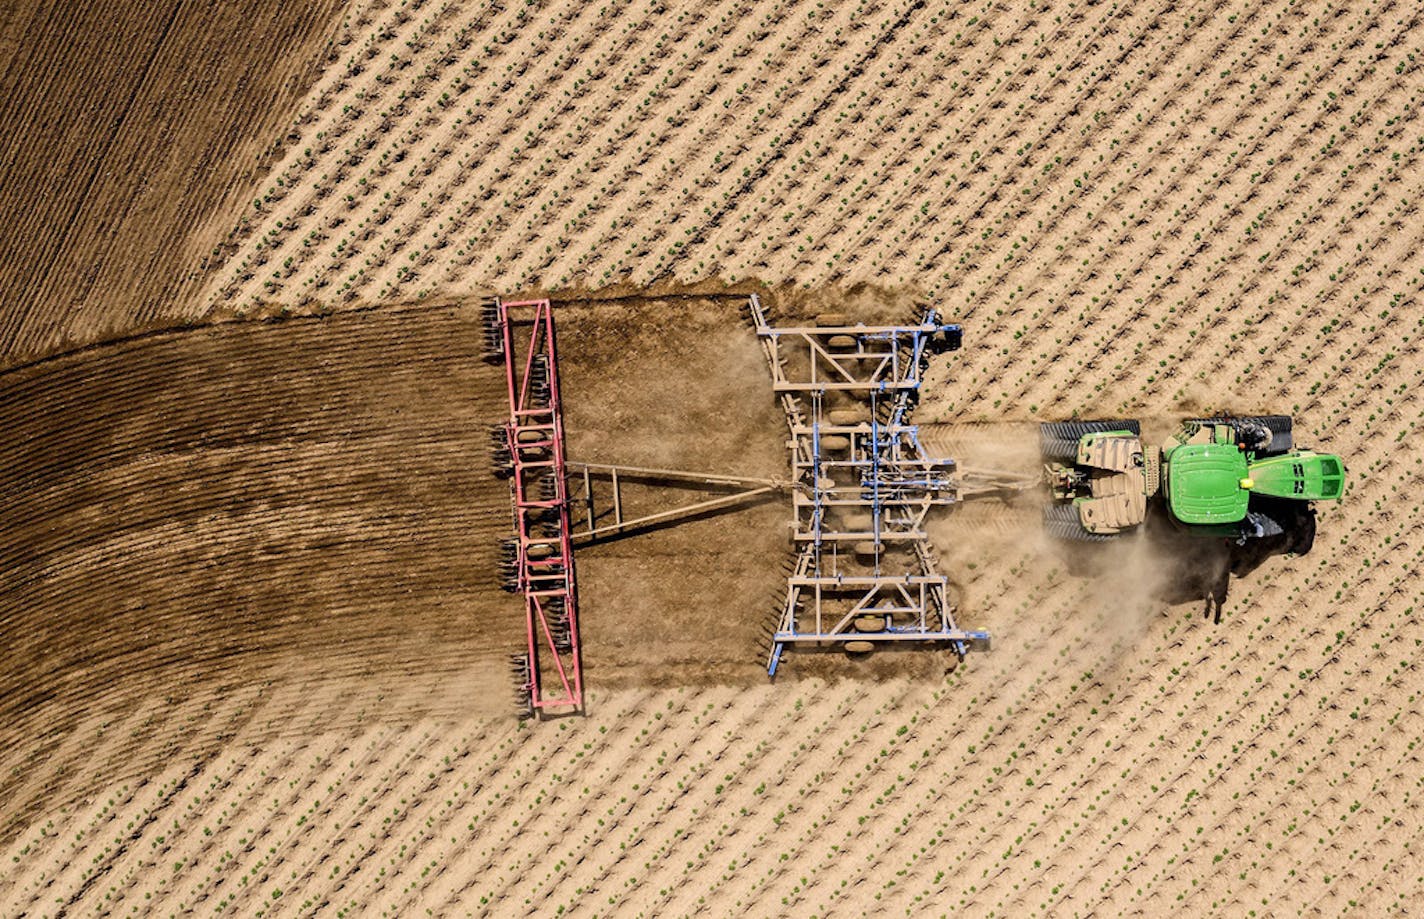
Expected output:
{"points": [[870, 623]]}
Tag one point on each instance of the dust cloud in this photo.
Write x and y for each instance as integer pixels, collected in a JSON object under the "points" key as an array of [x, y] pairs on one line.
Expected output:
{"points": [[1038, 595], [1130, 580]]}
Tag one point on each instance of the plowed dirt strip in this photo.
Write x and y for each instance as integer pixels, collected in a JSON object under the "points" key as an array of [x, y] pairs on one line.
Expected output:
{"points": [[127, 126], [252, 639], [676, 384], [251, 503]]}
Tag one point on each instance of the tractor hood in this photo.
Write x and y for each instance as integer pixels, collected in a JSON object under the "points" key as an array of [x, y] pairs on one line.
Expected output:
{"points": [[1302, 475], [1204, 483]]}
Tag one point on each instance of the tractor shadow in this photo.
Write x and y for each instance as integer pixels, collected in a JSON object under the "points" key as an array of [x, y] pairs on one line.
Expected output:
{"points": [[1185, 567]]}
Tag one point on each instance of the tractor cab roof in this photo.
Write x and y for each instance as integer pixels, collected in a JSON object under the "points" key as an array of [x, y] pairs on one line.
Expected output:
{"points": [[1204, 483]]}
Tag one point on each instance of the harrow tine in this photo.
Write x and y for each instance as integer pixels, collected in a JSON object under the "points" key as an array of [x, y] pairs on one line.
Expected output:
{"points": [[493, 332]]}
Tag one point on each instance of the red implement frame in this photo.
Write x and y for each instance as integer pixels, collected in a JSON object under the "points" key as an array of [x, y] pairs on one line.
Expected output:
{"points": [[541, 506]]}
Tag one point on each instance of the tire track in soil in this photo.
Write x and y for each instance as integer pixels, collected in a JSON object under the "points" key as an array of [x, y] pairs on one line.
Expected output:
{"points": [[852, 71], [1133, 271], [1179, 330], [698, 78], [890, 158], [1175, 781]]}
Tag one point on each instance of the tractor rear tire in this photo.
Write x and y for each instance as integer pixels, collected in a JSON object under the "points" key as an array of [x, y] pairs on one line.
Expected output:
{"points": [[1278, 425], [1295, 520], [1061, 521], [1058, 440]]}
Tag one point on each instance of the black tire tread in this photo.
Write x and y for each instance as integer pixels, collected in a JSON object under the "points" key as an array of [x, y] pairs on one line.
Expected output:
{"points": [[1279, 425], [1061, 521], [1058, 440]]}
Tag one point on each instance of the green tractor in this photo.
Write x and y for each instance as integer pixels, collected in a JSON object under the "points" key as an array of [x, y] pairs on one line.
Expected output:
{"points": [[1234, 477]]}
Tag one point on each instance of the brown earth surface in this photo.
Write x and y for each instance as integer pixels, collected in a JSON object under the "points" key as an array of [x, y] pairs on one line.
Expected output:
{"points": [[310, 503], [128, 126], [254, 654], [247, 508]]}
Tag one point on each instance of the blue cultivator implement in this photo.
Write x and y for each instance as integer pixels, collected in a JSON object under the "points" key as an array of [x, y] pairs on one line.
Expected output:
{"points": [[863, 485]]}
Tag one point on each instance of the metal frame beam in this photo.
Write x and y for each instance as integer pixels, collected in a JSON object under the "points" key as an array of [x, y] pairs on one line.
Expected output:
{"points": [[590, 529], [872, 486], [545, 570]]}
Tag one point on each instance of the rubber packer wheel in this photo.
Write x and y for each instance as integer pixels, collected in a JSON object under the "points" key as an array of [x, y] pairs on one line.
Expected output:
{"points": [[857, 523], [865, 550]]}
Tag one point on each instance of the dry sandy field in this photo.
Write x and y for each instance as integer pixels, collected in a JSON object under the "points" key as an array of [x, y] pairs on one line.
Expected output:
{"points": [[254, 652]]}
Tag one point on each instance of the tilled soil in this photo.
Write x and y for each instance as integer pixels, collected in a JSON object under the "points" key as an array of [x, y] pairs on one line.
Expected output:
{"points": [[301, 502], [310, 504], [129, 125], [676, 384]]}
